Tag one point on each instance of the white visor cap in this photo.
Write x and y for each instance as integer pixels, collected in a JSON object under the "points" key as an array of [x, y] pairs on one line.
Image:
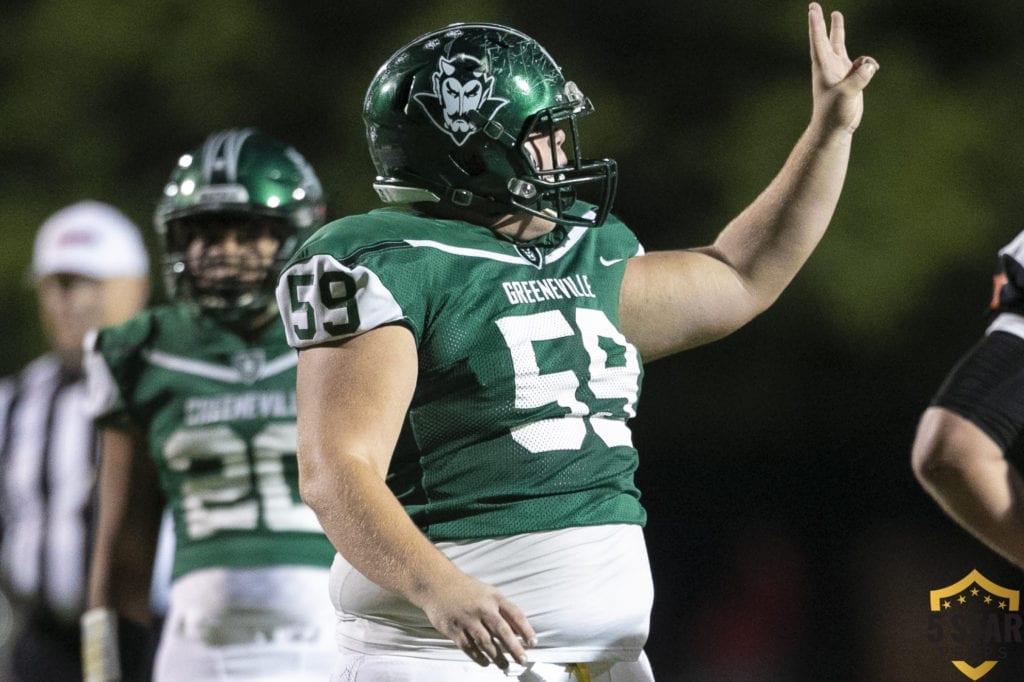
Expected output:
{"points": [[89, 238]]}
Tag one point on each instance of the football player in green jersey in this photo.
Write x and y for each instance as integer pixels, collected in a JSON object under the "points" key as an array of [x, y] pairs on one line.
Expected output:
{"points": [[489, 334], [197, 403]]}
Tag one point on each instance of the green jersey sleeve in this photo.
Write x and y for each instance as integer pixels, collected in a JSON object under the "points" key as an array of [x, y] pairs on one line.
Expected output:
{"points": [[217, 414], [113, 362]]}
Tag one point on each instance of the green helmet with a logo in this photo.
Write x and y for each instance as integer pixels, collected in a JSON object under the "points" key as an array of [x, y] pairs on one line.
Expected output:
{"points": [[248, 178], [447, 117]]}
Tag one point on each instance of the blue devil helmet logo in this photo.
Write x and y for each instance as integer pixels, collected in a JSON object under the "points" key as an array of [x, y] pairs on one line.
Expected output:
{"points": [[462, 86]]}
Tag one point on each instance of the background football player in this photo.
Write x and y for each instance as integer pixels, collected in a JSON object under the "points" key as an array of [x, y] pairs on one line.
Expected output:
{"points": [[89, 268], [960, 452], [197, 400], [495, 335]]}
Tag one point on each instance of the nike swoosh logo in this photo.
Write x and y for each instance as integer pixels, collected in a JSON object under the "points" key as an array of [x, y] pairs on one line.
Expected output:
{"points": [[606, 262]]}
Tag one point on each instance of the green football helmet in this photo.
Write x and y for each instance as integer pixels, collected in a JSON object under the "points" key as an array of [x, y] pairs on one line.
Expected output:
{"points": [[448, 115], [247, 180]]}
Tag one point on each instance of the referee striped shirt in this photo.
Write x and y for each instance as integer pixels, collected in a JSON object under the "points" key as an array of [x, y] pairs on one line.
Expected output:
{"points": [[48, 450]]}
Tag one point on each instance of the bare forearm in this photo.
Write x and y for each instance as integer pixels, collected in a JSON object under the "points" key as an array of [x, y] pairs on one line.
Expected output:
{"points": [[124, 591], [122, 563], [769, 242], [343, 457], [344, 450], [369, 527], [128, 520], [371, 530], [678, 300], [772, 238]]}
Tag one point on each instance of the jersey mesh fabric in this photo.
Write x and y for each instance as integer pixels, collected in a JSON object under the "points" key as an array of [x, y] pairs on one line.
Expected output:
{"points": [[518, 421], [220, 413]]}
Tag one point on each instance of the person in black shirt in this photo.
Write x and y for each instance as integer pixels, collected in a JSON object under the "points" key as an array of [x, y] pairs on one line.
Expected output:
{"points": [[963, 453]]}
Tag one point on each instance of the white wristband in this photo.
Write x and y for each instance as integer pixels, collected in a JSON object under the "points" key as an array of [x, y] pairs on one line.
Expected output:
{"points": [[101, 661]]}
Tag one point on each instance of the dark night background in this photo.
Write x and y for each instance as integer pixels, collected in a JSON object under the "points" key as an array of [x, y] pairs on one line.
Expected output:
{"points": [[788, 538]]}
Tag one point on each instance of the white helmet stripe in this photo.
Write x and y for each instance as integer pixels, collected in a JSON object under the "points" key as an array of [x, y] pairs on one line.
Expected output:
{"points": [[221, 152]]}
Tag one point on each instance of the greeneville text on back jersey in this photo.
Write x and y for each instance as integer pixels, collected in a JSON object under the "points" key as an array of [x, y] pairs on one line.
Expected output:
{"points": [[525, 386], [221, 430]]}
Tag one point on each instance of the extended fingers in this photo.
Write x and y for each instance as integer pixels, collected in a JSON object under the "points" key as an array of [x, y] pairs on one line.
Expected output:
{"points": [[824, 41], [502, 636], [520, 632], [817, 32], [488, 643], [838, 35], [491, 638], [470, 648], [477, 643]]}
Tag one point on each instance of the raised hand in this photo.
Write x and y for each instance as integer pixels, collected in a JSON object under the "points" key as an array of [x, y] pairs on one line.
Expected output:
{"points": [[838, 83]]}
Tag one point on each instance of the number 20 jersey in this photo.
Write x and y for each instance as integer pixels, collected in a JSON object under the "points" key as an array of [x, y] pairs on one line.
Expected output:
{"points": [[219, 414], [519, 418]]}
